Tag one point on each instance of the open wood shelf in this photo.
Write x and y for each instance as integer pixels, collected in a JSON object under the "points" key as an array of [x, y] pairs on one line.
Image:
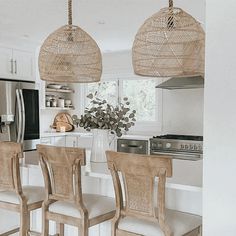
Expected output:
{"points": [[59, 108], [60, 90]]}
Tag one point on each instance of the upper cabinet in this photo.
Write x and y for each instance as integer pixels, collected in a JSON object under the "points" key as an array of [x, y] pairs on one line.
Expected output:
{"points": [[6, 63], [16, 64]]}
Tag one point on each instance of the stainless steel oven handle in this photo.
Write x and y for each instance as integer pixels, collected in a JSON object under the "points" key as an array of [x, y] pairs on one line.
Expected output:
{"points": [[19, 125], [123, 145], [23, 115]]}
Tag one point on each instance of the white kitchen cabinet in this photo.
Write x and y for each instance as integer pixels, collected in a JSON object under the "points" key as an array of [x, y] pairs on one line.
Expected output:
{"points": [[23, 64], [71, 141], [85, 142], [6, 63], [46, 140], [59, 141], [16, 64]]}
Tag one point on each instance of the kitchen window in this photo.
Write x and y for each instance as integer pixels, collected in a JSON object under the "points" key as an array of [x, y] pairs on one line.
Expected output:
{"points": [[143, 97]]}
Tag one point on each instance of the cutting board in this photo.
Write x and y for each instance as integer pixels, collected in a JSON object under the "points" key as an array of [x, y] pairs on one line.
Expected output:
{"points": [[63, 119]]}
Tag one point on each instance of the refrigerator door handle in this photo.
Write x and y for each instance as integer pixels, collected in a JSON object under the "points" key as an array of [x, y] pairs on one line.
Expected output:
{"points": [[23, 115], [19, 125]]}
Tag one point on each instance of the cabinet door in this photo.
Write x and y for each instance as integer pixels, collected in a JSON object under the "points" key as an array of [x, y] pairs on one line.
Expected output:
{"points": [[71, 141], [23, 65], [6, 63], [46, 140], [59, 141], [85, 142]]}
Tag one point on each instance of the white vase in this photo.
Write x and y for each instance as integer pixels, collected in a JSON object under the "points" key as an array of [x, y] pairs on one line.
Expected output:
{"points": [[100, 144]]}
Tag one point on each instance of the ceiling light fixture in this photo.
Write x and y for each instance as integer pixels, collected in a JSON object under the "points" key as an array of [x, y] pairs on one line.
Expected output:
{"points": [[70, 55], [171, 43]]}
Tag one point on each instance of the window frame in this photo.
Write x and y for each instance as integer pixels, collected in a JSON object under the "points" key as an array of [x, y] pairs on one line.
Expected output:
{"points": [[141, 127]]}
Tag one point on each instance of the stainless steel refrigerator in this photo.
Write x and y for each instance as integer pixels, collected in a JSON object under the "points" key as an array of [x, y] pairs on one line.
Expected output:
{"points": [[19, 113]]}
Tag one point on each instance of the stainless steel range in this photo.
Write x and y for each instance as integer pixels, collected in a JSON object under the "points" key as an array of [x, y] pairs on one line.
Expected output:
{"points": [[185, 147]]}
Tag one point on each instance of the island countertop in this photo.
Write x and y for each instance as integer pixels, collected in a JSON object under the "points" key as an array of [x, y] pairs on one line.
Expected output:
{"points": [[89, 134]]}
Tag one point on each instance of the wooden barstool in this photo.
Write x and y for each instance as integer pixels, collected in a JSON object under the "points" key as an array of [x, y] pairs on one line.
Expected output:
{"points": [[143, 213], [65, 203], [13, 196]]}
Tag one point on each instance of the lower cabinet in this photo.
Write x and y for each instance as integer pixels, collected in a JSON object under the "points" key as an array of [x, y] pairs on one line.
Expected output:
{"points": [[68, 141], [54, 140], [79, 141], [71, 141], [59, 141]]}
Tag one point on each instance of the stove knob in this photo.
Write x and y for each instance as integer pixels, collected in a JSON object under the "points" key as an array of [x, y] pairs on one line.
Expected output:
{"points": [[168, 145], [154, 145], [159, 145]]}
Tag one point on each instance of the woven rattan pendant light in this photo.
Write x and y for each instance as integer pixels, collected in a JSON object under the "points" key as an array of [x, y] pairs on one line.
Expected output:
{"points": [[171, 43], [70, 55]]}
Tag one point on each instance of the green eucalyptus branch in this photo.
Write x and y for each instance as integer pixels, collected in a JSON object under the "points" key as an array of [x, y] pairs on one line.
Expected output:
{"points": [[99, 114]]}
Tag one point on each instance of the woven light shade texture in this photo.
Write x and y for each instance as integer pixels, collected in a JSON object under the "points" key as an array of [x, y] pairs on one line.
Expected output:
{"points": [[171, 43], [70, 55]]}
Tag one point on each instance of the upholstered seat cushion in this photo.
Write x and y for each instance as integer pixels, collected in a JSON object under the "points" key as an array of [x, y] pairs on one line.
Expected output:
{"points": [[9, 220], [179, 222], [32, 193], [96, 205]]}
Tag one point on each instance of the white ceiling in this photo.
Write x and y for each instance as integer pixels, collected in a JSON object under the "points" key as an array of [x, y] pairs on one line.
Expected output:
{"points": [[112, 23]]}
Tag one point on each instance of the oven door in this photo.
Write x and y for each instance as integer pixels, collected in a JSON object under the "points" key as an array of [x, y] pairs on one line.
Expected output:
{"points": [[30, 131], [178, 155]]}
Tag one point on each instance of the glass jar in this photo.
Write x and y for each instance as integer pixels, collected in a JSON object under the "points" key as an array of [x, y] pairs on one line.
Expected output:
{"points": [[53, 103], [48, 103]]}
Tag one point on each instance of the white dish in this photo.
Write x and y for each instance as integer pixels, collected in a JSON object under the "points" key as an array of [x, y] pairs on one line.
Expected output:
{"points": [[65, 88], [68, 102], [54, 86]]}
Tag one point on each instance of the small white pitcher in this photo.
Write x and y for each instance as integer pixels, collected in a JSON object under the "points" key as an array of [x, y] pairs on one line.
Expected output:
{"points": [[101, 143]]}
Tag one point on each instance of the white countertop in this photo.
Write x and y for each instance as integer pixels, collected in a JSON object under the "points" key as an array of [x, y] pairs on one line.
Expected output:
{"points": [[55, 134], [87, 134]]}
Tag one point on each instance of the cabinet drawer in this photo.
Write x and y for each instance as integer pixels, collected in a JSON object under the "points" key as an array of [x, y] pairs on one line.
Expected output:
{"points": [[132, 146], [45, 141]]}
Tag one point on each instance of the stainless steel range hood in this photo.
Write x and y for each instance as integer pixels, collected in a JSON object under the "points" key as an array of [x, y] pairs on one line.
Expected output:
{"points": [[183, 83]]}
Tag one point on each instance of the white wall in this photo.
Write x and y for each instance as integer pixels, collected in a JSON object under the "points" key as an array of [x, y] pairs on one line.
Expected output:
{"points": [[219, 177], [183, 111]]}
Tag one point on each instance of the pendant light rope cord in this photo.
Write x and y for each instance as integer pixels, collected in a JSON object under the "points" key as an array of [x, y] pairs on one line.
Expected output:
{"points": [[69, 12], [170, 21]]}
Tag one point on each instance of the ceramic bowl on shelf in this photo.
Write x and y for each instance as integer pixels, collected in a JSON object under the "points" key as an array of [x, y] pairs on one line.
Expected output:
{"points": [[65, 87], [54, 86], [68, 102]]}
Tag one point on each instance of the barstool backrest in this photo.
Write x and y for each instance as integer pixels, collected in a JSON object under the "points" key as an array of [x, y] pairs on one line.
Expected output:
{"points": [[61, 168], [138, 173], [10, 153]]}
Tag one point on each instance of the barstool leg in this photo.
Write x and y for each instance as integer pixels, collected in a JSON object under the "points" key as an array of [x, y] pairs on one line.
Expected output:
{"points": [[24, 221], [200, 231], [84, 230], [45, 221], [60, 229], [114, 224]]}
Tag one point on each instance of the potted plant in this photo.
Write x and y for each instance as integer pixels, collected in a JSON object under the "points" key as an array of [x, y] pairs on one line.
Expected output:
{"points": [[103, 118]]}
